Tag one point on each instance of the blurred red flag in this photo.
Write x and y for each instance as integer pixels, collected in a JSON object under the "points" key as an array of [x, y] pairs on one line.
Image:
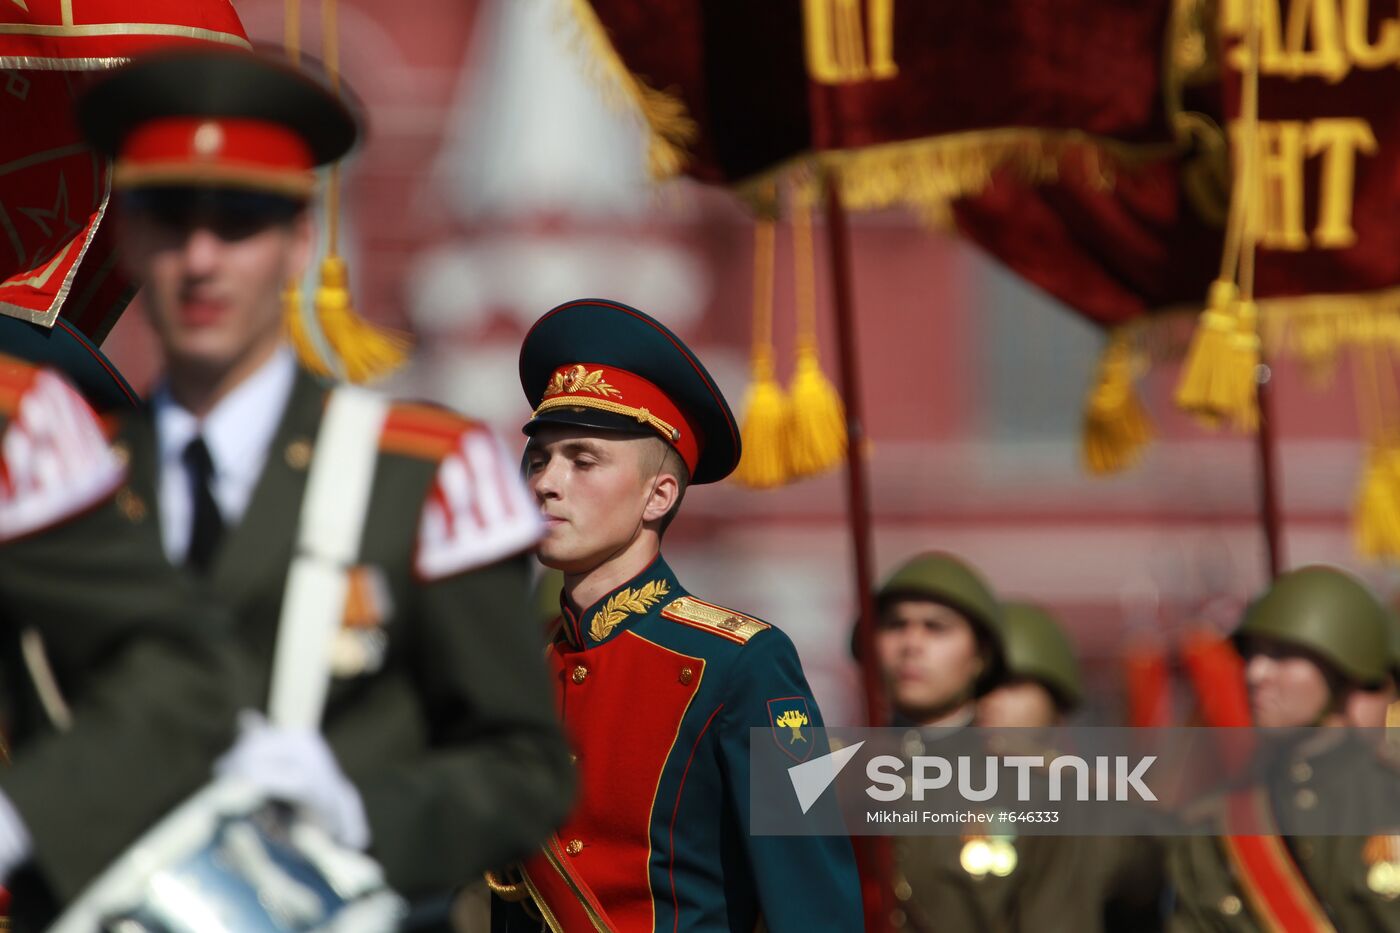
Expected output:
{"points": [[55, 252]]}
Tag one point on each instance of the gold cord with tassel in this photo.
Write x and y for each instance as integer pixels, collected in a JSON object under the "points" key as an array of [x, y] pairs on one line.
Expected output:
{"points": [[765, 411], [1116, 426], [817, 434], [1219, 377], [366, 351], [294, 319]]}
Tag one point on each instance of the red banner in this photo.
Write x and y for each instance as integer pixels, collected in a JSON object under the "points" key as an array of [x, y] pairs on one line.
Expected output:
{"points": [[55, 254]]}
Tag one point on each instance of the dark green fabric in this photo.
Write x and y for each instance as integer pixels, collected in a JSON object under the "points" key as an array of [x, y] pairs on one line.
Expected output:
{"points": [[1207, 894], [137, 653], [452, 743]]}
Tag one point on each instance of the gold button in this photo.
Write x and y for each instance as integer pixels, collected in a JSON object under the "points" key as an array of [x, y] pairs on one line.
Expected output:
{"points": [[902, 890], [898, 919], [580, 674], [121, 453], [687, 675], [1230, 905], [131, 506], [573, 758], [1302, 771], [1305, 799], [574, 847], [298, 454]]}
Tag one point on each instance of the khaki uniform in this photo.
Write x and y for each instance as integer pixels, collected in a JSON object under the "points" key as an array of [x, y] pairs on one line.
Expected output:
{"points": [[1352, 882]]}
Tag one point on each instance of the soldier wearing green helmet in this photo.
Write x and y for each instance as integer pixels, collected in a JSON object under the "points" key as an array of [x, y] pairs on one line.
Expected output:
{"points": [[943, 641], [1314, 638], [1314, 643], [1041, 683], [937, 639]]}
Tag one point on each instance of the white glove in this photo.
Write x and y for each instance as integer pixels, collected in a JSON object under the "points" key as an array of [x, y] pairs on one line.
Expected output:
{"points": [[16, 845], [298, 767]]}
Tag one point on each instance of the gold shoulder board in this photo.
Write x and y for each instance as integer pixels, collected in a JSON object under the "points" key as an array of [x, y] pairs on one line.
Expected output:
{"points": [[726, 623]]}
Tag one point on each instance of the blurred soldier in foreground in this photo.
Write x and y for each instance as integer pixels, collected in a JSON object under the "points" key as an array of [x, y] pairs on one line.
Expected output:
{"points": [[659, 689], [1311, 642], [944, 641], [438, 752], [119, 685]]}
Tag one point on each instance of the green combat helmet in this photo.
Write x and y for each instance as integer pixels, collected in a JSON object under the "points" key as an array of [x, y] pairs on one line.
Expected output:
{"points": [[1037, 649], [944, 579], [1327, 612], [1392, 618]]}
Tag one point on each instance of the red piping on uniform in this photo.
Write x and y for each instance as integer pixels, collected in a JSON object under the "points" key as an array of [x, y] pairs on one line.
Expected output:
{"points": [[116, 377], [675, 899]]}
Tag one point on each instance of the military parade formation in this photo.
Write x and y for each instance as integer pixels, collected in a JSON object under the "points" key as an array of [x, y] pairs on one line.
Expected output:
{"points": [[264, 580]]}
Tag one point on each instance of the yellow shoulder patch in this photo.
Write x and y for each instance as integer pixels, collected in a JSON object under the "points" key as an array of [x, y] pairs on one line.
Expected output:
{"points": [[717, 620]]}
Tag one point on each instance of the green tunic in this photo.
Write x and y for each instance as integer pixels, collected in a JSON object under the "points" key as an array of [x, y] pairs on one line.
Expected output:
{"points": [[119, 680], [439, 710], [1351, 878]]}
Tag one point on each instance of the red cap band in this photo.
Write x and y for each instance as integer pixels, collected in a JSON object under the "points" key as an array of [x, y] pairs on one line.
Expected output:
{"points": [[607, 388], [235, 149]]}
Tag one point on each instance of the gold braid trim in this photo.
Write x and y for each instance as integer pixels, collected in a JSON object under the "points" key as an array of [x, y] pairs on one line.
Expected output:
{"points": [[509, 891], [642, 415], [671, 130]]}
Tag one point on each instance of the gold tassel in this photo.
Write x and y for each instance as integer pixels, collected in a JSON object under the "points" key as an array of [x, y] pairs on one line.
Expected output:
{"points": [[366, 351], [1116, 425], [765, 421], [817, 438], [294, 322], [817, 432], [764, 424], [1218, 378], [1377, 514]]}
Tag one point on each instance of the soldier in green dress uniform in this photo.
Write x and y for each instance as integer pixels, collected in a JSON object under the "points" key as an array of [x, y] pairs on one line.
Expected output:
{"points": [[439, 752], [119, 682]]}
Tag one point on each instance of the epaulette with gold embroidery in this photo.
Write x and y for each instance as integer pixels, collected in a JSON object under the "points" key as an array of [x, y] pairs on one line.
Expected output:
{"points": [[420, 430], [717, 620]]}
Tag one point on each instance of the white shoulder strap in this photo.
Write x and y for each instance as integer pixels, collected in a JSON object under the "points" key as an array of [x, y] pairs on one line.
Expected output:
{"points": [[328, 541]]}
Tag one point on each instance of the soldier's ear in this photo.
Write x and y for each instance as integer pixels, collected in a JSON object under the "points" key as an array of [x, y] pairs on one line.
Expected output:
{"points": [[665, 493]]}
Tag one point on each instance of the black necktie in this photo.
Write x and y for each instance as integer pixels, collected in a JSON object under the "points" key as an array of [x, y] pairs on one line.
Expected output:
{"points": [[207, 527]]}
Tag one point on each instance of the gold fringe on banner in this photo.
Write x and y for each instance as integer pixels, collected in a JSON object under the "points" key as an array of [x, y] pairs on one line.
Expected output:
{"points": [[671, 130], [817, 434], [928, 173], [1314, 329], [764, 422], [1116, 426], [1376, 516]]}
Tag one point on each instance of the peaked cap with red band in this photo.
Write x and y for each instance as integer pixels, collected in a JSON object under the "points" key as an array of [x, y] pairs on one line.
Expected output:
{"points": [[600, 364], [210, 117]]}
